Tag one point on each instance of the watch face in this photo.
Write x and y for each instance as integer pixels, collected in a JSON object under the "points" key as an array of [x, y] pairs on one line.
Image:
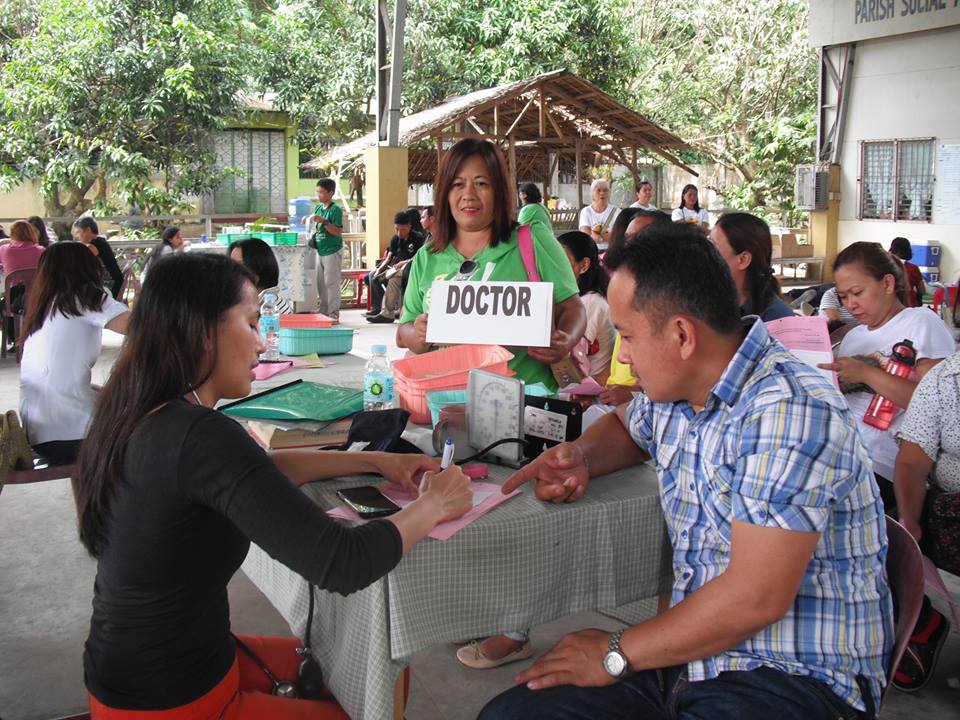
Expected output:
{"points": [[614, 663]]}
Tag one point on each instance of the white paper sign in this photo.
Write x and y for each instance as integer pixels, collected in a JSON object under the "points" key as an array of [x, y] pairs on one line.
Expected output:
{"points": [[496, 313]]}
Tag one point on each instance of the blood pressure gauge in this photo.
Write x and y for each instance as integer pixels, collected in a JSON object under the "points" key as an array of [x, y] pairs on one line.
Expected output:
{"points": [[494, 412]]}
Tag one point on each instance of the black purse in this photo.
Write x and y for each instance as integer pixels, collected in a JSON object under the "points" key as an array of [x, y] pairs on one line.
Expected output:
{"points": [[309, 683], [312, 242]]}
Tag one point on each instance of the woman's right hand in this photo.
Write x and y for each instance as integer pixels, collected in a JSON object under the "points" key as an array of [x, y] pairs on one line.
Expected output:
{"points": [[450, 489], [420, 329]]}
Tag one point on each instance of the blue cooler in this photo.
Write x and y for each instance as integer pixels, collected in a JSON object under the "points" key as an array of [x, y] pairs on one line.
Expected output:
{"points": [[926, 255], [298, 210]]}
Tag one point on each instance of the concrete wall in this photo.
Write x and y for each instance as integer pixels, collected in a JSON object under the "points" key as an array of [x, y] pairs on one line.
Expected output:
{"points": [[906, 86]]}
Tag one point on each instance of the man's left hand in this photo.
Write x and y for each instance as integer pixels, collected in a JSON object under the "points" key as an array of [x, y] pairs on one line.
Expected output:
{"points": [[576, 660]]}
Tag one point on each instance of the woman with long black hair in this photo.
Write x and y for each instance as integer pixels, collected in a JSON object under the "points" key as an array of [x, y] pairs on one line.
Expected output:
{"points": [[67, 310], [592, 280], [173, 492], [744, 242]]}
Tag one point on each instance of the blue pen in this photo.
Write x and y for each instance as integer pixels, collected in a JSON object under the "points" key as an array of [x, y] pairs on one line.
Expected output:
{"points": [[448, 449]]}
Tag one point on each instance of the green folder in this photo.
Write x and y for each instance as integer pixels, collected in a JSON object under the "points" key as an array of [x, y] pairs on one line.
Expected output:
{"points": [[299, 400]]}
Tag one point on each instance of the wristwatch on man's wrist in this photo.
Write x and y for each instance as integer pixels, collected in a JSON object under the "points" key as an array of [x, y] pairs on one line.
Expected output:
{"points": [[615, 662]]}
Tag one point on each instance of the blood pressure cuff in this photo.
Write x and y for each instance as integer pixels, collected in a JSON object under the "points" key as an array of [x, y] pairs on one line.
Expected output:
{"points": [[381, 430]]}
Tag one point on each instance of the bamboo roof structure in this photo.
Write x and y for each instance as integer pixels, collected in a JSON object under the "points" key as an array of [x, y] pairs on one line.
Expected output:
{"points": [[539, 122]]}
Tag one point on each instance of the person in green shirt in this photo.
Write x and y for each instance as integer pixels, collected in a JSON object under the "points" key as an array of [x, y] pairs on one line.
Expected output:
{"points": [[532, 209], [329, 243], [474, 221]]}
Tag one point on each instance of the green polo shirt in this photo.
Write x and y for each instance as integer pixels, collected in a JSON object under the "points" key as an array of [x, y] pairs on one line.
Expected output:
{"points": [[535, 212], [552, 264], [328, 243]]}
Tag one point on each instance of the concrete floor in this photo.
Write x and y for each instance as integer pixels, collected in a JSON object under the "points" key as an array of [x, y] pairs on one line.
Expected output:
{"points": [[46, 583]]}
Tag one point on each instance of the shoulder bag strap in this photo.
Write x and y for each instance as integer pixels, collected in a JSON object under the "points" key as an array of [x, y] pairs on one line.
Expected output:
{"points": [[527, 253]]}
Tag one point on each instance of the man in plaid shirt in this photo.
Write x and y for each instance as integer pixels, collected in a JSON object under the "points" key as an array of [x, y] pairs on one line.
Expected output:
{"points": [[780, 605]]}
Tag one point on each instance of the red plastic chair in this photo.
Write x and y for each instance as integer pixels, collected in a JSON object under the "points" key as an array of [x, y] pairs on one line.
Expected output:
{"points": [[905, 575], [938, 297]]}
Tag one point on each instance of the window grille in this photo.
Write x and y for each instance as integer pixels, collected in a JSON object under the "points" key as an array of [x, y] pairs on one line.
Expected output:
{"points": [[896, 180], [260, 185]]}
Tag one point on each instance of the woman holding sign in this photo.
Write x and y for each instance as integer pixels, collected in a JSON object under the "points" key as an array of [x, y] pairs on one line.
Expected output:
{"points": [[475, 238]]}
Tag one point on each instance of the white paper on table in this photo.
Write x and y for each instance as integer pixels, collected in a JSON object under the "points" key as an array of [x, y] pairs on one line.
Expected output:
{"points": [[808, 339]]}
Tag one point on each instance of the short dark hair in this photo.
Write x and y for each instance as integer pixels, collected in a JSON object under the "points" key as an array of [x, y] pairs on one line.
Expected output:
{"points": [[428, 209], [86, 223], [328, 184], [258, 259], [532, 192], [875, 262], [641, 184], [401, 218], [618, 234], [678, 270], [900, 247]]}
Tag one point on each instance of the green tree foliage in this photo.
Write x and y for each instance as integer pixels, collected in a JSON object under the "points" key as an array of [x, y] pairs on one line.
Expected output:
{"points": [[319, 57], [123, 92], [740, 81]]}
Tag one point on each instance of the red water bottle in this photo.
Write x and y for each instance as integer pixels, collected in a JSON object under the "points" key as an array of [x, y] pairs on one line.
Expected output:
{"points": [[880, 411]]}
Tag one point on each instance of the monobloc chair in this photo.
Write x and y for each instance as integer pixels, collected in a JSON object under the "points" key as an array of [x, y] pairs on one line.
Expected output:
{"points": [[905, 575], [10, 317]]}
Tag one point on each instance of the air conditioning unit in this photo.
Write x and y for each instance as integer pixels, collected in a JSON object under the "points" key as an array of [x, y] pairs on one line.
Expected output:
{"points": [[810, 192]]}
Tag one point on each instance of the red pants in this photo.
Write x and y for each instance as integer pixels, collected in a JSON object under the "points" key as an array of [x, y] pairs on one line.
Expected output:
{"points": [[244, 693]]}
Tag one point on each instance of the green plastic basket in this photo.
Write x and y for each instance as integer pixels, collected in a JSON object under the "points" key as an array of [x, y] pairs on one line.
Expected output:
{"points": [[323, 341], [277, 238], [227, 238]]}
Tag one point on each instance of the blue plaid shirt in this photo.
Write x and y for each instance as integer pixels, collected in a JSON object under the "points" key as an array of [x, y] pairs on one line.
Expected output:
{"points": [[776, 446]]}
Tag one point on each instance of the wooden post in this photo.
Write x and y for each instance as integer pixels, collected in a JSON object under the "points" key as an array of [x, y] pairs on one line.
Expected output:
{"points": [[633, 168], [579, 162], [513, 166], [543, 114]]}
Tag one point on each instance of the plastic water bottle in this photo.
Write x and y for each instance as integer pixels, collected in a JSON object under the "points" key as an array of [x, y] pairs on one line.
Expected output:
{"points": [[378, 381], [270, 328], [881, 410]]}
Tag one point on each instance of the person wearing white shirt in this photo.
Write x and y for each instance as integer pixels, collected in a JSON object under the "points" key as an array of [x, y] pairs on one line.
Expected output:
{"points": [[66, 312], [689, 210], [597, 218], [871, 285], [644, 192]]}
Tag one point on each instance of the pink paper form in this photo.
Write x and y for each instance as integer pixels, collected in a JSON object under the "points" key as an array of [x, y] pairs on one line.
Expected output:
{"points": [[808, 339], [446, 530], [268, 370]]}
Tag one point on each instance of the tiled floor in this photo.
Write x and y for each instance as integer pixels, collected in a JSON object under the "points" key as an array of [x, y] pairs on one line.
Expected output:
{"points": [[46, 581]]}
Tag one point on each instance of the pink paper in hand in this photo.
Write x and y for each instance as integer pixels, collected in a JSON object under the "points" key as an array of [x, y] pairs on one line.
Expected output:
{"points": [[446, 530], [268, 370], [589, 387]]}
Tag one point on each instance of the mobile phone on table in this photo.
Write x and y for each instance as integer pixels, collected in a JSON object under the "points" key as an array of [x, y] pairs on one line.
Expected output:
{"points": [[368, 501]]}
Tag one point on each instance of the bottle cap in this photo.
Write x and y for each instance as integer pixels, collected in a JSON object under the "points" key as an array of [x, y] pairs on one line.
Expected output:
{"points": [[378, 349]]}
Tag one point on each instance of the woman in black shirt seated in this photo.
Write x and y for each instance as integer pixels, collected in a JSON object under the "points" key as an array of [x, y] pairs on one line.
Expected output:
{"points": [[172, 492]]}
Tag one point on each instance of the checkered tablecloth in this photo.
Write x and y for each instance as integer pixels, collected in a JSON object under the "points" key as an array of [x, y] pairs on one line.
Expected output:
{"points": [[523, 564]]}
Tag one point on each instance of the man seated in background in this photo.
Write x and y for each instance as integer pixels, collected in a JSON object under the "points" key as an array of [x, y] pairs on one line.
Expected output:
{"points": [[780, 604], [386, 280]]}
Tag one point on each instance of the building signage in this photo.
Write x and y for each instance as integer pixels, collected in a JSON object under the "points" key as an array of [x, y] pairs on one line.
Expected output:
{"points": [[833, 22]]}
